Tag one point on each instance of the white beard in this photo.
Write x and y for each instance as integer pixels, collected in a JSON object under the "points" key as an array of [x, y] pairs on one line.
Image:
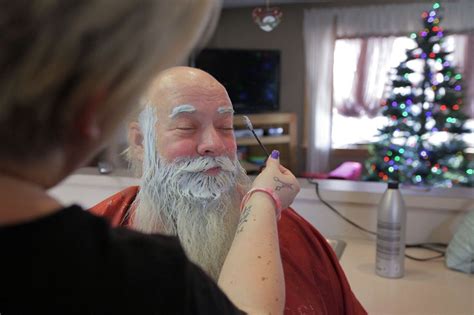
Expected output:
{"points": [[179, 199]]}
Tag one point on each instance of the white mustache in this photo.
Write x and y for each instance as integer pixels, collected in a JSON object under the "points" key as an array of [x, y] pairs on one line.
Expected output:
{"points": [[204, 163]]}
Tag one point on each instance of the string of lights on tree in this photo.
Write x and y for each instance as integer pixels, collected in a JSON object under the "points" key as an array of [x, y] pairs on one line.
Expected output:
{"points": [[422, 142]]}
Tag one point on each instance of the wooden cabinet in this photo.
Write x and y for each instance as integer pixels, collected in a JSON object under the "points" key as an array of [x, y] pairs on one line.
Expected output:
{"points": [[284, 142]]}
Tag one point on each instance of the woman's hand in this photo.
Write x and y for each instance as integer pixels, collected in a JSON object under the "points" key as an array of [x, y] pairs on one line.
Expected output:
{"points": [[279, 179]]}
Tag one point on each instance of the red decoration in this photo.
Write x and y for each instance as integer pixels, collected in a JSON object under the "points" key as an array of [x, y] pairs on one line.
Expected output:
{"points": [[267, 18]]}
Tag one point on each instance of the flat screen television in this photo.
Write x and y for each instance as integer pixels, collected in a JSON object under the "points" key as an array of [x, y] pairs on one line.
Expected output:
{"points": [[251, 77]]}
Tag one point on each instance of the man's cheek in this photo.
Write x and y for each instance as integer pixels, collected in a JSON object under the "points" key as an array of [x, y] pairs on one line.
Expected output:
{"points": [[179, 149], [231, 148]]}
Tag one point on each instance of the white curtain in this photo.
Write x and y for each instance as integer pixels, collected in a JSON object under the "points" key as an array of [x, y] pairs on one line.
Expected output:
{"points": [[319, 39], [321, 27], [469, 68], [377, 66], [361, 71], [463, 56], [347, 54]]}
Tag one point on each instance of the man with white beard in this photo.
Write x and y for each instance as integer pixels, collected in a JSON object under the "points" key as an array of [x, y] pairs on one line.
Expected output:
{"points": [[195, 198], [183, 148]]}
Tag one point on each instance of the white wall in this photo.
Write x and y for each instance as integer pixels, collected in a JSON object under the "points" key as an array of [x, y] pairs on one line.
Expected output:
{"points": [[432, 215]]}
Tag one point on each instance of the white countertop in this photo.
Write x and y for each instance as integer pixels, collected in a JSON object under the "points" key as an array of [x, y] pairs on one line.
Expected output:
{"points": [[427, 287]]}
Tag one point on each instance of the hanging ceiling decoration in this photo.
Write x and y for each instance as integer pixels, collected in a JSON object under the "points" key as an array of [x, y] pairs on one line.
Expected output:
{"points": [[267, 18]]}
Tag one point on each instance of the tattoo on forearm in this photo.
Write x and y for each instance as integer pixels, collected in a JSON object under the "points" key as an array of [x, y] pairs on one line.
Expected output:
{"points": [[244, 218], [282, 185]]}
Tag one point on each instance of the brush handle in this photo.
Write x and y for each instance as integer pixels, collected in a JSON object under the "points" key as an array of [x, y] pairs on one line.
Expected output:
{"points": [[249, 125], [260, 143]]}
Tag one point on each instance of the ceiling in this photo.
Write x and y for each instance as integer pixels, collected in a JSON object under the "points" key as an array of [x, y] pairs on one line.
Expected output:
{"points": [[252, 3]]}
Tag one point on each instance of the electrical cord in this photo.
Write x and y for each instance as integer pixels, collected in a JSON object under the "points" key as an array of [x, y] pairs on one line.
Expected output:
{"points": [[338, 213], [424, 259], [427, 246]]}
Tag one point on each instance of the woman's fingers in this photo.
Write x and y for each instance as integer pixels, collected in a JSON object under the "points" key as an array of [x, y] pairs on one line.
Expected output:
{"points": [[284, 170]]}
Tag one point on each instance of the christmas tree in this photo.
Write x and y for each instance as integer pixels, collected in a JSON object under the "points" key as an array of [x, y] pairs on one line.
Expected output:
{"points": [[422, 142]]}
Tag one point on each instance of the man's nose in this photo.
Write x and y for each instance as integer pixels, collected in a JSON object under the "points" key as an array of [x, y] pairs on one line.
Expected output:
{"points": [[211, 143]]}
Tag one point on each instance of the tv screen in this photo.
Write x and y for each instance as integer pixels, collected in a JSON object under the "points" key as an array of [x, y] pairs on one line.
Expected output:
{"points": [[251, 77]]}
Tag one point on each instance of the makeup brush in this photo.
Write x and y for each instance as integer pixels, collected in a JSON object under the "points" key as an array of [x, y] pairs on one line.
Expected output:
{"points": [[248, 123]]}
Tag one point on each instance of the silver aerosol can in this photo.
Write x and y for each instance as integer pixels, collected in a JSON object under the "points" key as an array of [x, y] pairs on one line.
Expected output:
{"points": [[391, 227]]}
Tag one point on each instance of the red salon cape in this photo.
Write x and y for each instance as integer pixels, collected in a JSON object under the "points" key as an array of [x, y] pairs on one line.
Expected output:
{"points": [[315, 282]]}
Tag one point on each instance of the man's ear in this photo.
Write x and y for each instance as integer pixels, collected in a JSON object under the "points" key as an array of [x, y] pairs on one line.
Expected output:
{"points": [[135, 140]]}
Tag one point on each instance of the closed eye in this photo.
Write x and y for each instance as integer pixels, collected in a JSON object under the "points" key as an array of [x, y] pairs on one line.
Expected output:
{"points": [[185, 126]]}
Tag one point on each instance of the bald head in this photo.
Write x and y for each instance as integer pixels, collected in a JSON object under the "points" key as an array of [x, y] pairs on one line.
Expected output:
{"points": [[183, 86], [183, 76]]}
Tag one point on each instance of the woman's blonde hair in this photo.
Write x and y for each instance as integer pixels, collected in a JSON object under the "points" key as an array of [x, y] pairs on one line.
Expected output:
{"points": [[56, 54]]}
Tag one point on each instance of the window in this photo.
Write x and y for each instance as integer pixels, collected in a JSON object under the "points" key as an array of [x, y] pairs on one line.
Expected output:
{"points": [[361, 81]]}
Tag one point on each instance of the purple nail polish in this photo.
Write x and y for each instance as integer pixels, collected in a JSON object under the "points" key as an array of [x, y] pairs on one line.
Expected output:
{"points": [[275, 154]]}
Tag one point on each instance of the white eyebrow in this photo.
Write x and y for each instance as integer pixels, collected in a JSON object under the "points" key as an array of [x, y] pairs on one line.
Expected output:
{"points": [[225, 110], [185, 108]]}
